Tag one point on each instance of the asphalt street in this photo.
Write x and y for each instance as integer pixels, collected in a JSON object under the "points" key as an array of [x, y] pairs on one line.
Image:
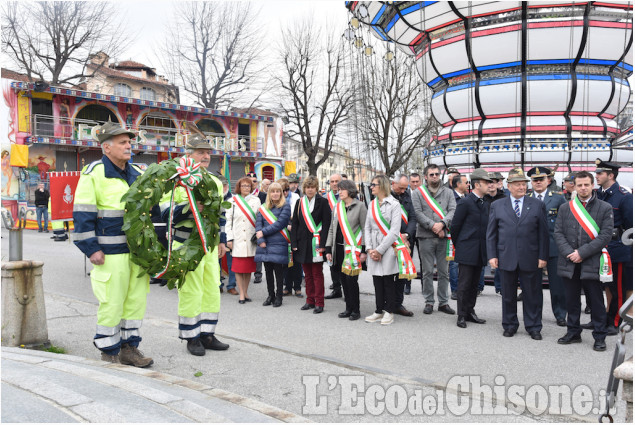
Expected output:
{"points": [[304, 363]]}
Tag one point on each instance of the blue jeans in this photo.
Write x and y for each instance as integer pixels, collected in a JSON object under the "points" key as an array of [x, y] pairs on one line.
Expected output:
{"points": [[39, 212], [232, 277], [453, 268]]}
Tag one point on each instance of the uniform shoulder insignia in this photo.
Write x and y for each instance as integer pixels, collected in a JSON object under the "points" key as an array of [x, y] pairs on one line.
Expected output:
{"points": [[90, 167], [624, 190]]}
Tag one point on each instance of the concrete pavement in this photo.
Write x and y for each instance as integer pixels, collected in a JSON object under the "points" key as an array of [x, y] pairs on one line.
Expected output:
{"points": [[286, 358]]}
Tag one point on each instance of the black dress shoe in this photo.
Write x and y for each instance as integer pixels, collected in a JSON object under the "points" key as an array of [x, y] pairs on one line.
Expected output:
{"points": [[587, 310], [331, 286], [561, 322], [258, 280], [307, 307], [344, 314], [472, 317], [354, 316], [406, 289], [241, 301], [599, 345], [535, 335], [334, 294], [587, 325], [318, 310], [447, 309], [460, 322], [428, 309], [509, 333], [453, 296], [210, 342], [611, 330], [403, 311], [268, 301], [570, 339], [277, 302], [519, 297], [248, 300], [195, 347]]}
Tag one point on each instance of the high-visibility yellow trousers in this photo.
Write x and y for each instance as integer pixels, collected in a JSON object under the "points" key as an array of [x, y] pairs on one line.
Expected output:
{"points": [[122, 302]]}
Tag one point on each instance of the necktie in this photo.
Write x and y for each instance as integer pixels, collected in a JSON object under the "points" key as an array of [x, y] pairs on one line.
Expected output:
{"points": [[517, 207], [540, 197], [584, 203]]}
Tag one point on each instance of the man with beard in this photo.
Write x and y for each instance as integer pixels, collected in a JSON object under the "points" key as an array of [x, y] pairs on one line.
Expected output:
{"points": [[399, 191], [434, 207]]}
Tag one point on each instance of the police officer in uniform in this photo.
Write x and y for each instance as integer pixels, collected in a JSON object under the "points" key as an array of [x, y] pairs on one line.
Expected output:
{"points": [[199, 297], [541, 190], [621, 255], [98, 215]]}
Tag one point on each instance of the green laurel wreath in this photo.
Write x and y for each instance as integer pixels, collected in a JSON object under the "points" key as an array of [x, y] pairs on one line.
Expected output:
{"points": [[145, 249]]}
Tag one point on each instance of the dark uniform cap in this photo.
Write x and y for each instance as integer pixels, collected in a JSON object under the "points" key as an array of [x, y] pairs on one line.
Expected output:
{"points": [[110, 129], [569, 177], [516, 175], [293, 178], [606, 166], [480, 174], [196, 141], [453, 170], [538, 172]]}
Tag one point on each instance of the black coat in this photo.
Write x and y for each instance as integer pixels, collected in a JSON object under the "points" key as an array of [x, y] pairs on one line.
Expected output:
{"points": [[42, 198], [518, 242], [410, 228], [570, 236], [469, 230], [301, 237]]}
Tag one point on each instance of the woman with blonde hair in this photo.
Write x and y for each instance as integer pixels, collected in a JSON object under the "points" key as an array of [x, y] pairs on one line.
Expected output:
{"points": [[309, 230], [381, 231], [273, 241], [240, 229]]}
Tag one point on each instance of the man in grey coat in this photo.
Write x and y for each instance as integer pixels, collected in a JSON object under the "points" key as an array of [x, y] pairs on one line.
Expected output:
{"points": [[432, 234], [579, 260]]}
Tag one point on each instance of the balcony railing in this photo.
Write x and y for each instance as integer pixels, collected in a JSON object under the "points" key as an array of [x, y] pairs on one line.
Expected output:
{"points": [[81, 129]]}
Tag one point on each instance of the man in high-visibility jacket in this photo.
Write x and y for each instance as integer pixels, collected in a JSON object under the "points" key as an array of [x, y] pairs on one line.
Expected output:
{"points": [[199, 296], [98, 215]]}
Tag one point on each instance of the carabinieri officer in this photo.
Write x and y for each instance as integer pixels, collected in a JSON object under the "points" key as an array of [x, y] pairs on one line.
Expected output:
{"points": [[621, 255], [98, 215]]}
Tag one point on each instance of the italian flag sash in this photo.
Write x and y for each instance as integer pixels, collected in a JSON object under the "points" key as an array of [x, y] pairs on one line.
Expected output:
{"points": [[352, 264], [404, 215], [331, 198], [243, 205], [271, 218], [592, 229], [407, 268], [434, 206], [315, 230]]}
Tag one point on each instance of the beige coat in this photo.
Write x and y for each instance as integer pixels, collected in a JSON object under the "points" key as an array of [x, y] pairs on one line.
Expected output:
{"points": [[374, 239], [239, 230]]}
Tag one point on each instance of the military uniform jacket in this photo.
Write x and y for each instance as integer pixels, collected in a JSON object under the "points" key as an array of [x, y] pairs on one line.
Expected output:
{"points": [[622, 202], [98, 210], [552, 201]]}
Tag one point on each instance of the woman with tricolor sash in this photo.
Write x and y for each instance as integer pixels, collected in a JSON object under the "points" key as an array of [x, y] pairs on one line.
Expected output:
{"points": [[274, 241], [345, 244], [381, 232], [309, 231], [241, 234]]}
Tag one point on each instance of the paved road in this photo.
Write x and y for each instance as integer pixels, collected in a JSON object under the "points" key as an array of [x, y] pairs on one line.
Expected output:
{"points": [[278, 356]]}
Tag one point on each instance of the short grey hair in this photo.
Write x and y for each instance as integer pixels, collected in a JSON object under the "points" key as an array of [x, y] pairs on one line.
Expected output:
{"points": [[189, 151], [107, 141], [349, 186]]}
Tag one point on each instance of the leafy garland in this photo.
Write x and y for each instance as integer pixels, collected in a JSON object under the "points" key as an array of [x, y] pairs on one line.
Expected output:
{"points": [[142, 201]]}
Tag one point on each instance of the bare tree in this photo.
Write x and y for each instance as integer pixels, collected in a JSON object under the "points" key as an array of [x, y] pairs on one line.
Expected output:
{"points": [[53, 41], [213, 50], [394, 110], [315, 96]]}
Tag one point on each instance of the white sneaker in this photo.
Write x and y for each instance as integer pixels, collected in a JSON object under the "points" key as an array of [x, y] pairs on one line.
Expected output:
{"points": [[388, 318], [375, 317]]}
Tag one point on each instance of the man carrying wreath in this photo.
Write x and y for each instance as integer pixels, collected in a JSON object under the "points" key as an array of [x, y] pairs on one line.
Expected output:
{"points": [[98, 215], [199, 296]]}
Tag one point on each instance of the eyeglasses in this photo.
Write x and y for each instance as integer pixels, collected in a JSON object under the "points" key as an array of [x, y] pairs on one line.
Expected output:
{"points": [[286, 190], [373, 185], [248, 186], [434, 174]]}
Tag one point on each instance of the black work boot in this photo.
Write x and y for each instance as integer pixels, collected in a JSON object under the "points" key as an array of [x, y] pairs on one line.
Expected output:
{"points": [[195, 347], [210, 342]]}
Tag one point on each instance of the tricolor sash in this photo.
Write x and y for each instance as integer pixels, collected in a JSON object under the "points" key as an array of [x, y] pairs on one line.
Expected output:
{"points": [[331, 198], [243, 205], [271, 218], [352, 264], [404, 215], [407, 268], [592, 229], [315, 230], [434, 206]]}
